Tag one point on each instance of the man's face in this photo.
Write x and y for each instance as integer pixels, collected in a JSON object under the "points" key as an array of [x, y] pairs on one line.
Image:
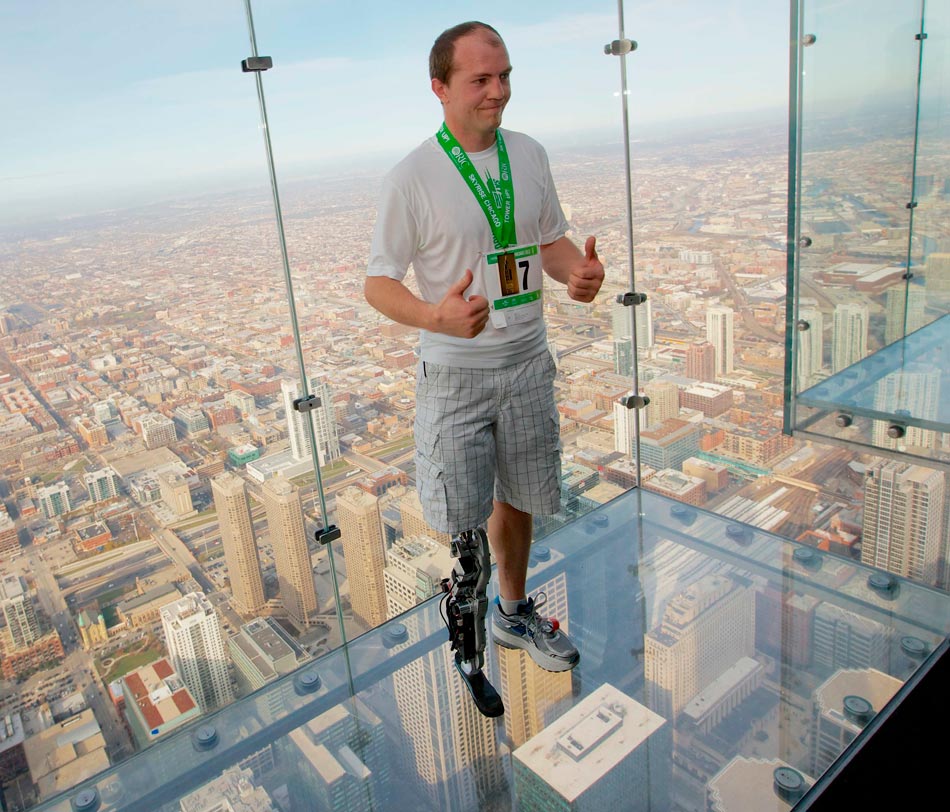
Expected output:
{"points": [[478, 89]]}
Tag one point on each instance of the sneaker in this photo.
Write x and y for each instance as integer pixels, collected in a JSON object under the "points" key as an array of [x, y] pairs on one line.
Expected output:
{"points": [[541, 637]]}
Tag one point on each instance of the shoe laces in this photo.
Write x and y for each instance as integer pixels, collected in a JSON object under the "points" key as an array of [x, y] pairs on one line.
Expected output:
{"points": [[533, 620]]}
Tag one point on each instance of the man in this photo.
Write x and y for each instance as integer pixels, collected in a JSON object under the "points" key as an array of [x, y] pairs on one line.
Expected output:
{"points": [[475, 211]]}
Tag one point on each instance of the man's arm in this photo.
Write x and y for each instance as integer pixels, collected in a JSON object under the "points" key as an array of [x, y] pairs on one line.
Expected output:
{"points": [[582, 273], [454, 315]]}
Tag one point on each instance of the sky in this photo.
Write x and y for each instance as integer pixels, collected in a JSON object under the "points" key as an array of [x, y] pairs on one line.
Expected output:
{"points": [[109, 101]]}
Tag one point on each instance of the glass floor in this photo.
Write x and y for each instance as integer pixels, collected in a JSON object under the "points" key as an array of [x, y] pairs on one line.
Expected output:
{"points": [[721, 668], [898, 383]]}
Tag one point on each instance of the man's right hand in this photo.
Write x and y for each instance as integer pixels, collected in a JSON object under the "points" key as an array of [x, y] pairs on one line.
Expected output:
{"points": [[457, 316]]}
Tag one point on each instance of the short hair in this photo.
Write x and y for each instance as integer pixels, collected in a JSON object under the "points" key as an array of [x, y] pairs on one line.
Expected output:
{"points": [[443, 49]]}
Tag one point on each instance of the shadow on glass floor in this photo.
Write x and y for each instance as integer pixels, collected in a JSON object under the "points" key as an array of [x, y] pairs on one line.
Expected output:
{"points": [[722, 668]]}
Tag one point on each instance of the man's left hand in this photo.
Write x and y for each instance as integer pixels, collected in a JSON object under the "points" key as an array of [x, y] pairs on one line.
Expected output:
{"points": [[587, 277]]}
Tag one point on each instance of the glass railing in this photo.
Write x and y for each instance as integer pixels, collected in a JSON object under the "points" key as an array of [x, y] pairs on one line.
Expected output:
{"points": [[867, 308], [717, 659]]}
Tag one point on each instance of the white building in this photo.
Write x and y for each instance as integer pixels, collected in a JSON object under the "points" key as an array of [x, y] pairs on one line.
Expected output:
{"points": [[196, 649]]}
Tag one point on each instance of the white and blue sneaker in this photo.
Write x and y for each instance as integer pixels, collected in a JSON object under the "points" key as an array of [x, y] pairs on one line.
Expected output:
{"points": [[541, 637]]}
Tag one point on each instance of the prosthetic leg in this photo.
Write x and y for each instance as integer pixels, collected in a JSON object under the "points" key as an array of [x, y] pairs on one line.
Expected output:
{"points": [[466, 604]]}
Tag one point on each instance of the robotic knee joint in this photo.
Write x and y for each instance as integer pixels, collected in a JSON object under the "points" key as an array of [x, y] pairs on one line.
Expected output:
{"points": [[467, 597]]}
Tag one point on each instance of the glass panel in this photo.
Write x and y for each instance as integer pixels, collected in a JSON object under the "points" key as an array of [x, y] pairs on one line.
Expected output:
{"points": [[860, 283], [713, 655], [132, 258]]}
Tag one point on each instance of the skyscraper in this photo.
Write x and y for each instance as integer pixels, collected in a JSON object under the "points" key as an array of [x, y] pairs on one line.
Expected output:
{"points": [[240, 546], [903, 528], [701, 361], [196, 650], [664, 402], [705, 630], [19, 614], [720, 331], [914, 390], [606, 752], [413, 520], [842, 705], [533, 696], [361, 530], [624, 427], [452, 750], [291, 554], [810, 348], [323, 419], [849, 338], [843, 639], [903, 311]]}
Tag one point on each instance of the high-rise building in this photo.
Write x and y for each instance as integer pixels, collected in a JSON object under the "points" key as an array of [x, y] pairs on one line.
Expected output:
{"points": [[452, 749], [904, 311], [841, 707], [102, 484], [291, 554], [620, 322], [744, 782], [322, 418], [157, 430], [705, 630], [361, 531], [234, 790], [606, 748], [701, 361], [21, 626], [720, 332], [54, 499], [914, 390], [849, 338], [624, 427], [413, 519], [664, 402], [843, 639], [415, 567], [668, 444], [9, 537], [534, 697], [645, 334], [176, 493], [196, 649], [240, 546], [903, 528], [810, 347], [342, 759]]}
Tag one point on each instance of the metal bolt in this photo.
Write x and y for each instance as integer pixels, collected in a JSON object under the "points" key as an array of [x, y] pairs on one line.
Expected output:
{"points": [[843, 420], [809, 39]]}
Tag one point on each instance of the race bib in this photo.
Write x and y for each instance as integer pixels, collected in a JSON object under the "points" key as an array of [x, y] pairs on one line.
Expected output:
{"points": [[513, 284]]}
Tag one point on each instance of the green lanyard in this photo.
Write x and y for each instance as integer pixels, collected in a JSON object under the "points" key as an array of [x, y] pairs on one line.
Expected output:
{"points": [[499, 204]]}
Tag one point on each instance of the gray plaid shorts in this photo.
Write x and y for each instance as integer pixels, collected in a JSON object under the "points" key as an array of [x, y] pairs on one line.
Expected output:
{"points": [[484, 434]]}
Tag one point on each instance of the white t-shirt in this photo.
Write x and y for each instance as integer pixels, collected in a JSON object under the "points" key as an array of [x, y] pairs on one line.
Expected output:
{"points": [[428, 217]]}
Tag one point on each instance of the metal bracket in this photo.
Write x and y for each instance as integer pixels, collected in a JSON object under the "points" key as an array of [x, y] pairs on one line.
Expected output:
{"points": [[920, 37], [635, 401], [307, 404], [256, 64], [630, 298], [912, 204], [619, 47], [327, 534]]}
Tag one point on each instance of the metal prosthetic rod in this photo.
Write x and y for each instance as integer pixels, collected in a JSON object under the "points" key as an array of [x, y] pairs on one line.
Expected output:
{"points": [[466, 608], [468, 598]]}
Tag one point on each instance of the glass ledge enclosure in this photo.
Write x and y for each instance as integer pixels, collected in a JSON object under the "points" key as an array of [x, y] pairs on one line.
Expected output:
{"points": [[722, 668], [898, 385]]}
